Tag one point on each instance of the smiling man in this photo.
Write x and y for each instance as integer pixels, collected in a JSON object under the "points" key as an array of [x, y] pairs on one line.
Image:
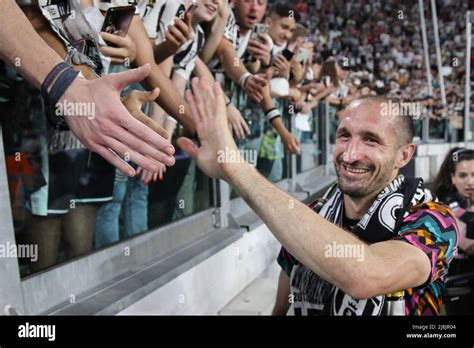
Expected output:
{"points": [[405, 238]]}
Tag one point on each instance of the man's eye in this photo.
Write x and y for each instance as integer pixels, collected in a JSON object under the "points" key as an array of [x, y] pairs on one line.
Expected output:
{"points": [[371, 140]]}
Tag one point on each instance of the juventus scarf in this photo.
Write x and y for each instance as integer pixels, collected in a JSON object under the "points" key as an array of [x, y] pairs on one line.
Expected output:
{"points": [[313, 295]]}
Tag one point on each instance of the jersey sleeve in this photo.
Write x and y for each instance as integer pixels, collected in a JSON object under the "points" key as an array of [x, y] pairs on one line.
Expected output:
{"points": [[432, 228]]}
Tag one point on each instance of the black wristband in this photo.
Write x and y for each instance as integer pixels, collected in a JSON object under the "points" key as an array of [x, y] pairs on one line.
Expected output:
{"points": [[57, 82]]}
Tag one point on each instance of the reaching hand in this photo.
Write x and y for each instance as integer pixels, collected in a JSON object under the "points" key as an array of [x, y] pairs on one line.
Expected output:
{"points": [[254, 87], [209, 113], [146, 177], [291, 144], [236, 122], [134, 102], [113, 132]]}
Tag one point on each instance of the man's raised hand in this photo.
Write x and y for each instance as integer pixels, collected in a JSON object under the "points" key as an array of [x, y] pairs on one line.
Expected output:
{"points": [[209, 114]]}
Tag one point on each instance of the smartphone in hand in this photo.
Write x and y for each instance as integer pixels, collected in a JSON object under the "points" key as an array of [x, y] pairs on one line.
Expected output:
{"points": [[182, 12], [302, 55], [288, 54], [117, 21], [258, 30]]}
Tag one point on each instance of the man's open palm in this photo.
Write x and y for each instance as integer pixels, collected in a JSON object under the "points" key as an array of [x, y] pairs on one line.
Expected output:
{"points": [[209, 114]]}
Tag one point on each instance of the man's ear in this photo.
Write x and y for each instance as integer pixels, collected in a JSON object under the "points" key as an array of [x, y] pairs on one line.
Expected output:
{"points": [[269, 21], [404, 155]]}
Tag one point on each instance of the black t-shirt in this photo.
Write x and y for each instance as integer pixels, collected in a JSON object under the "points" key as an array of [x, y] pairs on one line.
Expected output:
{"points": [[349, 224]]}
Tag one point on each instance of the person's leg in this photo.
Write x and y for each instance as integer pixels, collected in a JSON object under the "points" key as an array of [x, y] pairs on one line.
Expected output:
{"points": [[107, 221], [45, 232], [135, 207], [78, 227]]}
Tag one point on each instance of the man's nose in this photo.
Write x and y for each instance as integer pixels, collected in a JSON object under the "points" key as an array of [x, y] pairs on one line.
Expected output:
{"points": [[354, 152]]}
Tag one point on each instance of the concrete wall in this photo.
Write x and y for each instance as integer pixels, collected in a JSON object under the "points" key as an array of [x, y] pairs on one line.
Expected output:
{"points": [[208, 287], [429, 158]]}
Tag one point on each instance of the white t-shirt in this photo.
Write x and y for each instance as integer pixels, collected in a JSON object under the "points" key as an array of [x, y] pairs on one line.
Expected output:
{"points": [[152, 18], [158, 18], [232, 33]]}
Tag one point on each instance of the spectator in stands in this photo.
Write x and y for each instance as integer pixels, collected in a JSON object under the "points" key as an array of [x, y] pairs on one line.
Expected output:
{"points": [[454, 185]]}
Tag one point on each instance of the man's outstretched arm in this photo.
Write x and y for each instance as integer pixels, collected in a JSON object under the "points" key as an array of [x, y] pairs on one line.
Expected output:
{"points": [[112, 132], [305, 234]]}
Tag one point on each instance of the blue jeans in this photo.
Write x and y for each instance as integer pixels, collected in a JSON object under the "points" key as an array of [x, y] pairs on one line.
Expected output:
{"points": [[130, 204]]}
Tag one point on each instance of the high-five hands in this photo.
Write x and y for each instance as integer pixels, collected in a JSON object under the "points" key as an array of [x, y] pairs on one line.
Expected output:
{"points": [[208, 108], [113, 133]]}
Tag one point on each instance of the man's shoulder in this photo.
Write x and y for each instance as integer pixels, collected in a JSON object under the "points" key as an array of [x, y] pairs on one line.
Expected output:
{"points": [[434, 208], [434, 217]]}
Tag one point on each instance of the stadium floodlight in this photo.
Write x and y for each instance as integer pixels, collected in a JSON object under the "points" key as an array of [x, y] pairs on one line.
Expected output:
{"points": [[468, 132], [425, 126], [434, 16]]}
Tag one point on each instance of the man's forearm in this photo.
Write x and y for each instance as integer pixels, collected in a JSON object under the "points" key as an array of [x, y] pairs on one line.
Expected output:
{"points": [[304, 233], [22, 47]]}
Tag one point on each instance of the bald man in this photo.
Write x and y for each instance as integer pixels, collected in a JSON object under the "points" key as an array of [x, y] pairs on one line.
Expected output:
{"points": [[377, 243]]}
